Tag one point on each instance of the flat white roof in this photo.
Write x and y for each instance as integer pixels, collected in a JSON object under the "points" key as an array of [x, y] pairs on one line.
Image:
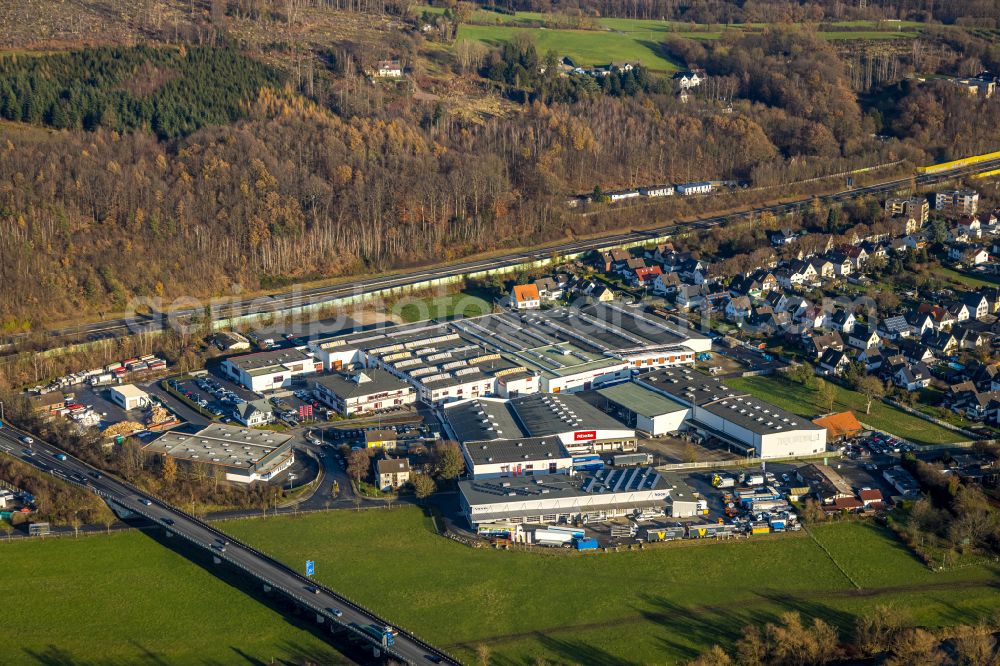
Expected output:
{"points": [[129, 391]]}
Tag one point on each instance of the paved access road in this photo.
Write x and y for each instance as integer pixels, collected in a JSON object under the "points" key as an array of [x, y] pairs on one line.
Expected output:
{"points": [[264, 569], [285, 301]]}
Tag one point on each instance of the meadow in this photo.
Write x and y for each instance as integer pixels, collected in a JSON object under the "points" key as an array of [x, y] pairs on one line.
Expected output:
{"points": [[659, 605]]}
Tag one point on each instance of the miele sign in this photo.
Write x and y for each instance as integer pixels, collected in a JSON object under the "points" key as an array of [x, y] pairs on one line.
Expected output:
{"points": [[584, 435]]}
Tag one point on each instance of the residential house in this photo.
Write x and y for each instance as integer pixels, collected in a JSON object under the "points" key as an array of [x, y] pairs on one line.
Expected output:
{"points": [[969, 228], [388, 69], [525, 297], [689, 78], [842, 264], [833, 362], [920, 323], [666, 283], [894, 328], [812, 317], [969, 336], [840, 320], [738, 308], [821, 267], [694, 271], [863, 337], [871, 498], [255, 413], [942, 342], [817, 344], [941, 316], [602, 294], [872, 358], [912, 376], [646, 276], [978, 304], [391, 473], [551, 288], [781, 237], [915, 351], [967, 254]]}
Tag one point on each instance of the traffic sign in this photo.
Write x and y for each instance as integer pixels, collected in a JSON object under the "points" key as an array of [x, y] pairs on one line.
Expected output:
{"points": [[310, 567]]}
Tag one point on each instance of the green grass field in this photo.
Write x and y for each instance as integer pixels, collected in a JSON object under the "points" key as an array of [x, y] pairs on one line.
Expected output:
{"points": [[967, 279], [125, 599], [660, 605], [462, 304], [586, 47], [604, 40], [803, 401]]}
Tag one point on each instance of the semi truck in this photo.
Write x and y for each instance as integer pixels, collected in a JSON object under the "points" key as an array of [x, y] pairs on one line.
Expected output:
{"points": [[383, 633], [628, 459], [575, 532], [588, 463], [553, 538], [654, 534], [723, 481]]}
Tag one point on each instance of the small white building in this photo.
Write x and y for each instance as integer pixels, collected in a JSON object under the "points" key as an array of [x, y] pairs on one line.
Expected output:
{"points": [[128, 397], [657, 191], [688, 189]]}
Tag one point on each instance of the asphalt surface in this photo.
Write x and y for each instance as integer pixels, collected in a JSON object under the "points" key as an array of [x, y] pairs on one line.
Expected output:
{"points": [[253, 563], [317, 295]]}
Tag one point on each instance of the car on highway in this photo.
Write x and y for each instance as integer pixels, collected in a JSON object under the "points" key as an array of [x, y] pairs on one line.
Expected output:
{"points": [[29, 452], [60, 456], [168, 521], [96, 475], [336, 612], [314, 589], [219, 547], [145, 501], [433, 658], [27, 440]]}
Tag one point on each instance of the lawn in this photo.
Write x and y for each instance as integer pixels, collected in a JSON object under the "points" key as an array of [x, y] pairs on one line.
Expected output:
{"points": [[803, 401], [125, 599], [605, 40], [586, 47], [660, 605], [451, 306], [967, 279]]}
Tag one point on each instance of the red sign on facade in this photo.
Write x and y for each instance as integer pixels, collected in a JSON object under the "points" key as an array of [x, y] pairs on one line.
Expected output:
{"points": [[584, 435]]}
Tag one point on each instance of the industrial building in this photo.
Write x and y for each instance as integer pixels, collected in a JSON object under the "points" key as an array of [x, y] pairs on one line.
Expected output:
{"points": [[243, 455], [577, 425], [128, 397], [645, 409], [530, 456], [559, 498], [362, 391], [269, 370], [757, 427], [511, 354]]}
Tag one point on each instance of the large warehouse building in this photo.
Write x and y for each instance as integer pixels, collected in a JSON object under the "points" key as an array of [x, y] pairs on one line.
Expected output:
{"points": [[510, 354], [645, 409], [574, 423], [243, 455], [558, 498], [760, 428]]}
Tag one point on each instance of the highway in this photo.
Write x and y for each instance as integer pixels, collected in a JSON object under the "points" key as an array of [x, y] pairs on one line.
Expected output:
{"points": [[317, 295], [267, 571]]}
